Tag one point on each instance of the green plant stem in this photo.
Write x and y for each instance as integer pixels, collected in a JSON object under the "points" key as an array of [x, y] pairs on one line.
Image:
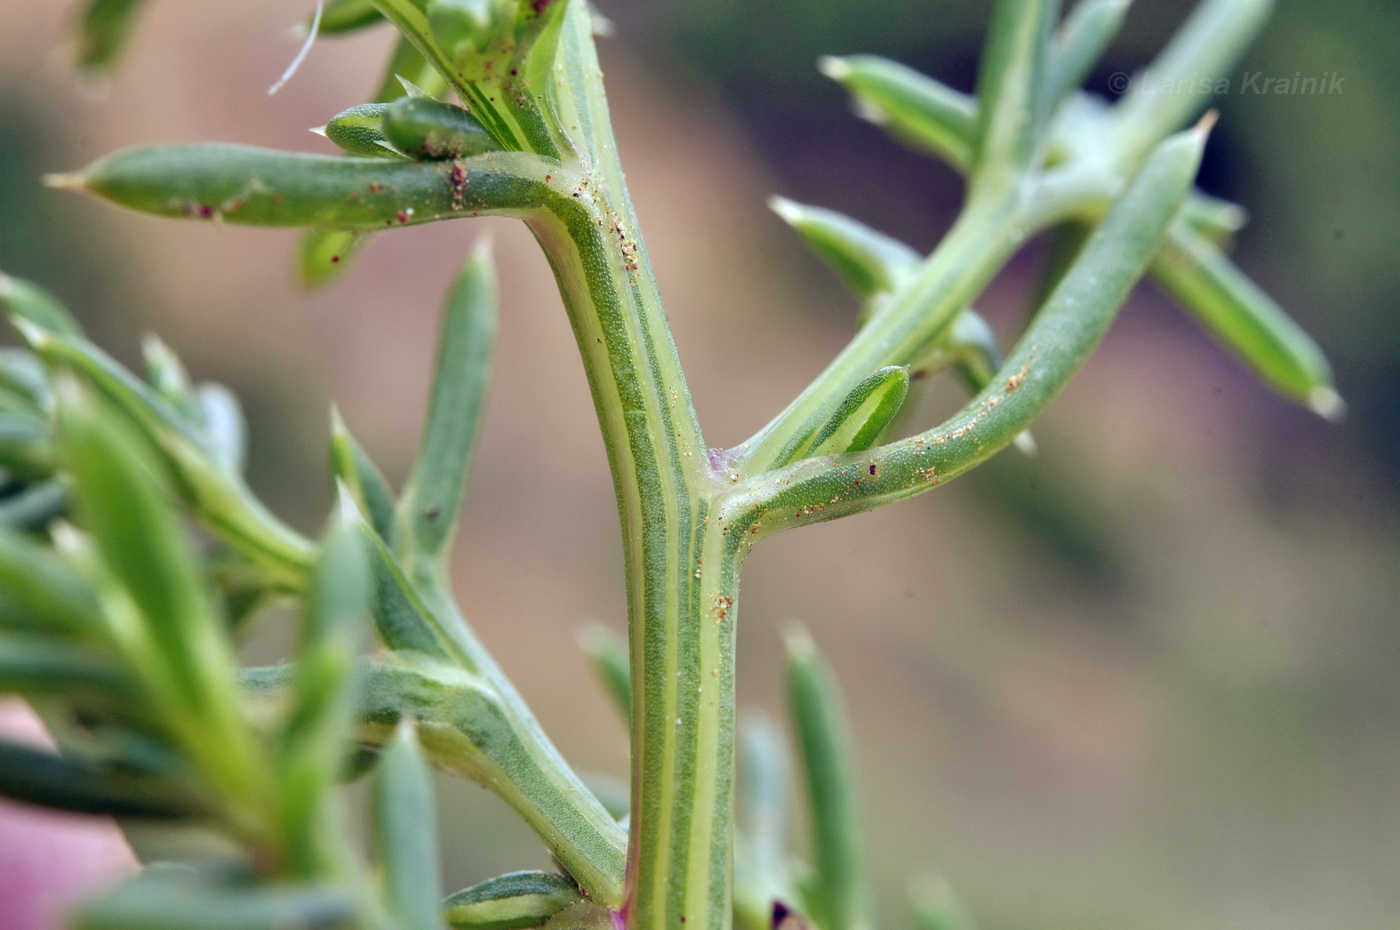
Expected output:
{"points": [[681, 566], [557, 804], [976, 247], [1065, 330], [682, 571], [682, 559]]}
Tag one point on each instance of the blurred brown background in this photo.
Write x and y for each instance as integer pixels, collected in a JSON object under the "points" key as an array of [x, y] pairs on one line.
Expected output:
{"points": [[1145, 680]]}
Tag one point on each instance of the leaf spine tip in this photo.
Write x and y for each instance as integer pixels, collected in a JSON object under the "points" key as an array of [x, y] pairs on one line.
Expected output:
{"points": [[838, 69], [1327, 403], [799, 642], [67, 181], [1206, 123], [787, 209]]}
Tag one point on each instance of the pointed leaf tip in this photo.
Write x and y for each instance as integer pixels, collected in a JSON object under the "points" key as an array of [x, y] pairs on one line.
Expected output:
{"points": [[798, 641], [32, 333], [65, 181], [1328, 404], [787, 209], [347, 508], [833, 67], [1206, 123]]}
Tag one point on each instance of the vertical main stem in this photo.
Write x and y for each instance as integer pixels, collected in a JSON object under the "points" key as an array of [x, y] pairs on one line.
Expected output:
{"points": [[681, 570]]}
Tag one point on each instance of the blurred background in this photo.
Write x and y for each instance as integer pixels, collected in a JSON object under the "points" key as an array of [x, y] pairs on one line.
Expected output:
{"points": [[1145, 680]]}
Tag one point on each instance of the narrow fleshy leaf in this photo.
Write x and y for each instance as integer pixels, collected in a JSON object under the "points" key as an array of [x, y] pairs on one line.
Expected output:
{"points": [[427, 511], [356, 471], [23, 300], [335, 625], [608, 651], [166, 375], [245, 185], [49, 591], [403, 618], [103, 31], [25, 448], [937, 907], [405, 837], [317, 734], [1082, 39], [1009, 120], [176, 639], [1215, 219], [840, 890], [123, 505], [84, 360], [31, 665], [22, 375], [325, 254], [1177, 87], [1247, 320], [34, 507], [510, 902], [765, 792], [35, 776], [432, 129], [870, 262], [864, 414], [179, 900], [225, 431], [915, 109], [359, 130]]}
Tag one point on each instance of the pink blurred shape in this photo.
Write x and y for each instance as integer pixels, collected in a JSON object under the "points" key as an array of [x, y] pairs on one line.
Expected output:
{"points": [[50, 862]]}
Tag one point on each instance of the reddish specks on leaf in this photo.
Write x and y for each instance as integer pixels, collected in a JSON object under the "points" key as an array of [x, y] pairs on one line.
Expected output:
{"points": [[458, 181], [402, 216], [206, 211], [334, 259], [375, 187]]}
